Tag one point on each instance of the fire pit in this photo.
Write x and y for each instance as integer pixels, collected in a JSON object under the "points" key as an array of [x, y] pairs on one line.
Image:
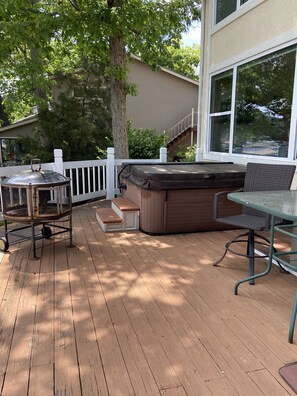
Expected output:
{"points": [[35, 197]]}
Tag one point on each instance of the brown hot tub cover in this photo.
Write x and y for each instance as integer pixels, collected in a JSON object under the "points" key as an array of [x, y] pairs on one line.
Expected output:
{"points": [[169, 176]]}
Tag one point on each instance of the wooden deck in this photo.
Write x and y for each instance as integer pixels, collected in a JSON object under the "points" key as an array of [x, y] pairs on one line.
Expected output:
{"points": [[132, 314]]}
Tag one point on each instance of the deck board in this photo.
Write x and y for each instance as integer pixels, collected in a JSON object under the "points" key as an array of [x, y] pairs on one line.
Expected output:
{"points": [[127, 313]]}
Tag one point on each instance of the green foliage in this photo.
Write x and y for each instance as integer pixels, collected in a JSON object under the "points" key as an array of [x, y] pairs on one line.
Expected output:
{"points": [[145, 143], [72, 124], [187, 153], [182, 59], [39, 38]]}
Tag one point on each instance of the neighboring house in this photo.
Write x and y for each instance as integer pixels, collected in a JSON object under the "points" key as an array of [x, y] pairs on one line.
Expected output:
{"points": [[248, 82], [164, 98], [10, 148]]}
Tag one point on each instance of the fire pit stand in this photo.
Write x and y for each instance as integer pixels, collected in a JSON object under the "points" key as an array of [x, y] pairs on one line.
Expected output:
{"points": [[35, 198]]}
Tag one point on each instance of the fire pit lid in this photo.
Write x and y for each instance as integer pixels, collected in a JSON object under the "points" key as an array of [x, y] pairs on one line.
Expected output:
{"points": [[35, 177]]}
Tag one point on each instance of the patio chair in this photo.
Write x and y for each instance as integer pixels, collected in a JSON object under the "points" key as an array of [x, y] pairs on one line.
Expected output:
{"points": [[259, 177]]}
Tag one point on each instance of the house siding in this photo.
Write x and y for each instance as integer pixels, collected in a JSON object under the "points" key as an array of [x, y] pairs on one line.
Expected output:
{"points": [[257, 28], [268, 22], [162, 100]]}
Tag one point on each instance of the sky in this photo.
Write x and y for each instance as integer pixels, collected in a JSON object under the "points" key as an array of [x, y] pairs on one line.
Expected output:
{"points": [[193, 36]]}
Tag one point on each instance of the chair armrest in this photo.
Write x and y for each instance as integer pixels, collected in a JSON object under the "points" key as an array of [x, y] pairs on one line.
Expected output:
{"points": [[217, 197]]}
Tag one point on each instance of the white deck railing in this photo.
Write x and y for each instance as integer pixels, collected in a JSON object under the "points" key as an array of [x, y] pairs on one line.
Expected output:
{"points": [[89, 179]]}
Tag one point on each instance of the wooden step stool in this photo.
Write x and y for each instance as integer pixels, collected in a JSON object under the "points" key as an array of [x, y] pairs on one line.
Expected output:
{"points": [[123, 215]]}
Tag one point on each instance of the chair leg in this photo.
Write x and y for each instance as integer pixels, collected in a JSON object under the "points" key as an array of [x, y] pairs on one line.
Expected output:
{"points": [[235, 239], [250, 251], [251, 254], [222, 258], [292, 322]]}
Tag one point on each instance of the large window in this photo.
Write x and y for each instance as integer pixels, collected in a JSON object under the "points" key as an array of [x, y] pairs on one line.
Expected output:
{"points": [[226, 7], [220, 106], [259, 123]]}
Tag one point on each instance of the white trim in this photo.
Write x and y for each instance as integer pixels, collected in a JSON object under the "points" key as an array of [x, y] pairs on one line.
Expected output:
{"points": [[270, 46], [233, 104], [199, 150], [293, 124], [241, 10], [243, 159], [207, 92]]}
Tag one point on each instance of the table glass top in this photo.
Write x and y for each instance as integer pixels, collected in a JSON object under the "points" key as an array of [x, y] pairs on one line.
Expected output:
{"points": [[279, 203]]}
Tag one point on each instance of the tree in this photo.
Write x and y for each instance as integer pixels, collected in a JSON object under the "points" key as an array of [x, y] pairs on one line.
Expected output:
{"points": [[4, 121], [121, 27], [182, 59], [106, 30], [72, 124], [25, 44]]}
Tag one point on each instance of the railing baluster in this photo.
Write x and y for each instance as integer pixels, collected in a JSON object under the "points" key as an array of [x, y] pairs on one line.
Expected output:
{"points": [[94, 185], [83, 180], [182, 126], [87, 178], [77, 182]]}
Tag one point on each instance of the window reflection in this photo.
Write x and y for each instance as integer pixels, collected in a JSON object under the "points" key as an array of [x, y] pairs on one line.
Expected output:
{"points": [[225, 8], [221, 92], [264, 91], [220, 127]]}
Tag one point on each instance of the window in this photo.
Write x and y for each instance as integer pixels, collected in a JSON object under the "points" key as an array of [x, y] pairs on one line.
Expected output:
{"points": [[261, 118], [226, 7], [220, 108], [11, 150]]}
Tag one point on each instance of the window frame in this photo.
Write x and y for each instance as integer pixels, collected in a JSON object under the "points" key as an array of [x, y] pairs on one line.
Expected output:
{"points": [[292, 149], [241, 10], [239, 4]]}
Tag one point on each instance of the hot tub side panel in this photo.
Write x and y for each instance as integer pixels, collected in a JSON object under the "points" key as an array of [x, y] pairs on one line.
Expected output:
{"points": [[152, 206], [192, 210], [175, 211]]}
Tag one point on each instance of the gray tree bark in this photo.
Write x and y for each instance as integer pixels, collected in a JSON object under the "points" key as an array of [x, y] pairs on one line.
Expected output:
{"points": [[118, 96]]}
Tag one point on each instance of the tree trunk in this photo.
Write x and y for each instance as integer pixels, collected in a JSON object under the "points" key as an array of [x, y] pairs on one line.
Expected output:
{"points": [[4, 121], [118, 96]]}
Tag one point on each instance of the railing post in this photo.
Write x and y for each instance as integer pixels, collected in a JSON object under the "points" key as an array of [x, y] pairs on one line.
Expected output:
{"points": [[110, 173], [163, 154], [58, 161]]}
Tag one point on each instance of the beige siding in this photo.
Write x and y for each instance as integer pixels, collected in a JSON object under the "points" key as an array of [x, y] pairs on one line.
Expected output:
{"points": [[268, 21], [256, 28], [162, 100], [19, 129]]}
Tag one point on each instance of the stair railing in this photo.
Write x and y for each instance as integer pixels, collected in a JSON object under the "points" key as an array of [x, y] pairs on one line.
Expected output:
{"points": [[189, 121]]}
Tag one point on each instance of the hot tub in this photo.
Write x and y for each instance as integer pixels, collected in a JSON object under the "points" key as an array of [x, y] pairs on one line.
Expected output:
{"points": [[178, 197]]}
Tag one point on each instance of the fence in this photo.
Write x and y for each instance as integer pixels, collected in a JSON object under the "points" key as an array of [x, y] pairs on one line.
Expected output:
{"points": [[89, 179]]}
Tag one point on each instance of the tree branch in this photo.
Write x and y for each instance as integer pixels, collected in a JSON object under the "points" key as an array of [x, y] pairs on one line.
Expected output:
{"points": [[74, 5]]}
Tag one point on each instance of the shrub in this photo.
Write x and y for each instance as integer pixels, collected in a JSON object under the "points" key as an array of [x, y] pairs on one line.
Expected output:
{"points": [[145, 143], [187, 153]]}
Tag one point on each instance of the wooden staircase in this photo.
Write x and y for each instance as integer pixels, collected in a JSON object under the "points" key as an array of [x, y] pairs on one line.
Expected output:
{"points": [[123, 215], [187, 138]]}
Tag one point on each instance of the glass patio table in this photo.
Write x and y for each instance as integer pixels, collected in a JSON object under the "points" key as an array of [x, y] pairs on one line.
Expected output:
{"points": [[277, 204]]}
